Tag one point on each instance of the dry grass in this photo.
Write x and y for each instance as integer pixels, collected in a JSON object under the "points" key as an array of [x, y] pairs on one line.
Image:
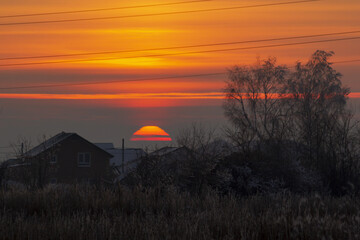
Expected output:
{"points": [[94, 213]]}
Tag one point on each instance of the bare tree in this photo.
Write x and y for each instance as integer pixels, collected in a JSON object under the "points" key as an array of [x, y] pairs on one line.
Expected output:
{"points": [[255, 102], [320, 101], [268, 103], [323, 123], [33, 166], [20, 170], [204, 151]]}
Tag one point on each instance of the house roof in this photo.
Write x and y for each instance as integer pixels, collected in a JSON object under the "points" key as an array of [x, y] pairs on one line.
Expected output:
{"points": [[53, 141], [48, 144], [163, 151], [12, 161], [105, 146]]}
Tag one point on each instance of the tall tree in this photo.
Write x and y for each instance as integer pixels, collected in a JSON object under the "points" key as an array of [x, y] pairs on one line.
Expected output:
{"points": [[255, 102], [320, 101], [307, 106]]}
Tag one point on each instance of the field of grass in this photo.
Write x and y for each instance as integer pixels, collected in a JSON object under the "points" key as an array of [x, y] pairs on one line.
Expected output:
{"points": [[118, 213]]}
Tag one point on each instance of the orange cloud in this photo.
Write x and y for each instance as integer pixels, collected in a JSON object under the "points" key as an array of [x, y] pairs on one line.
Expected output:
{"points": [[354, 95], [139, 96], [214, 95], [186, 85]]}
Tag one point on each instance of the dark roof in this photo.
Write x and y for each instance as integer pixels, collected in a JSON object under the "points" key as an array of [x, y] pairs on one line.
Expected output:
{"points": [[53, 141], [163, 151], [48, 144], [12, 161], [167, 151], [105, 146]]}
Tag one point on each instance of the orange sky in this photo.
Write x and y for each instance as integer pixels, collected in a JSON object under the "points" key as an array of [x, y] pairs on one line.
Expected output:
{"points": [[165, 31], [130, 96], [324, 16]]}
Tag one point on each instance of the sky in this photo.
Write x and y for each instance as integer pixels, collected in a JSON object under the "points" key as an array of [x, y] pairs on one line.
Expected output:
{"points": [[110, 111]]}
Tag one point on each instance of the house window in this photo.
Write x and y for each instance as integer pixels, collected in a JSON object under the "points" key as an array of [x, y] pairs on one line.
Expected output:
{"points": [[84, 159], [53, 159]]}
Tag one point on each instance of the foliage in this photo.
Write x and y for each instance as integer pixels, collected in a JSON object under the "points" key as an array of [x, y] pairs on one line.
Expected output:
{"points": [[264, 172], [3, 168], [204, 150]]}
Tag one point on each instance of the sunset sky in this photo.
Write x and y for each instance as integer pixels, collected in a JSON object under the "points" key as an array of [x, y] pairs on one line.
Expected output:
{"points": [[112, 110]]}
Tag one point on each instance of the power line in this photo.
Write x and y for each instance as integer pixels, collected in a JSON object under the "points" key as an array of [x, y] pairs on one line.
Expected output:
{"points": [[181, 53], [115, 81], [137, 80], [157, 14], [102, 9], [181, 47]]}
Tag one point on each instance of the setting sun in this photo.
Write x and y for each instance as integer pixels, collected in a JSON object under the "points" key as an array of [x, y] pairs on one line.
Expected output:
{"points": [[150, 133]]}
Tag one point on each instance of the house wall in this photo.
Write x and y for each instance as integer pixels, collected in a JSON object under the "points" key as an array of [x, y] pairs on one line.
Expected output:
{"points": [[66, 169]]}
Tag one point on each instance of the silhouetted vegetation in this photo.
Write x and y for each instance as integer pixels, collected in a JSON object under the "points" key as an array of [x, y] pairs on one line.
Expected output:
{"points": [[285, 118], [31, 171], [290, 132], [3, 168], [162, 213]]}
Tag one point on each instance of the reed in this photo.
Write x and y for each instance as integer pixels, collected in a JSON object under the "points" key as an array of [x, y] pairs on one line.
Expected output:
{"points": [[78, 212]]}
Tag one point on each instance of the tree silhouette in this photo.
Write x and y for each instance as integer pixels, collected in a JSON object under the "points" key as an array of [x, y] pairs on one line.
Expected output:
{"points": [[269, 105], [255, 102]]}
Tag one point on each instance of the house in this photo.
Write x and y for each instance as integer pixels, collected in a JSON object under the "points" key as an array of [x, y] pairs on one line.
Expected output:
{"points": [[171, 153], [132, 157], [64, 158]]}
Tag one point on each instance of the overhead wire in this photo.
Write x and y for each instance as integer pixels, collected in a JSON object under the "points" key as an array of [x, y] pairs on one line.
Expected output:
{"points": [[153, 49], [114, 81], [137, 80], [103, 9], [157, 14], [181, 47], [180, 53]]}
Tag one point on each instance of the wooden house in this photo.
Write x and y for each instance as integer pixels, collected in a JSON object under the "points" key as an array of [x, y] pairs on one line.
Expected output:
{"points": [[65, 158]]}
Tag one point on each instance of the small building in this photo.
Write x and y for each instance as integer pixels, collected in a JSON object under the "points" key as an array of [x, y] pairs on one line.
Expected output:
{"points": [[64, 158], [132, 157]]}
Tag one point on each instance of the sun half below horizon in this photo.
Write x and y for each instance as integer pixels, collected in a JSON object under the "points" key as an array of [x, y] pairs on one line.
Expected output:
{"points": [[150, 133]]}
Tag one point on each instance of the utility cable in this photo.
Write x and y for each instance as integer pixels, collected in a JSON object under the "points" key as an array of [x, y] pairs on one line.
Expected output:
{"points": [[137, 80], [182, 53], [102, 9], [156, 14], [180, 47]]}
